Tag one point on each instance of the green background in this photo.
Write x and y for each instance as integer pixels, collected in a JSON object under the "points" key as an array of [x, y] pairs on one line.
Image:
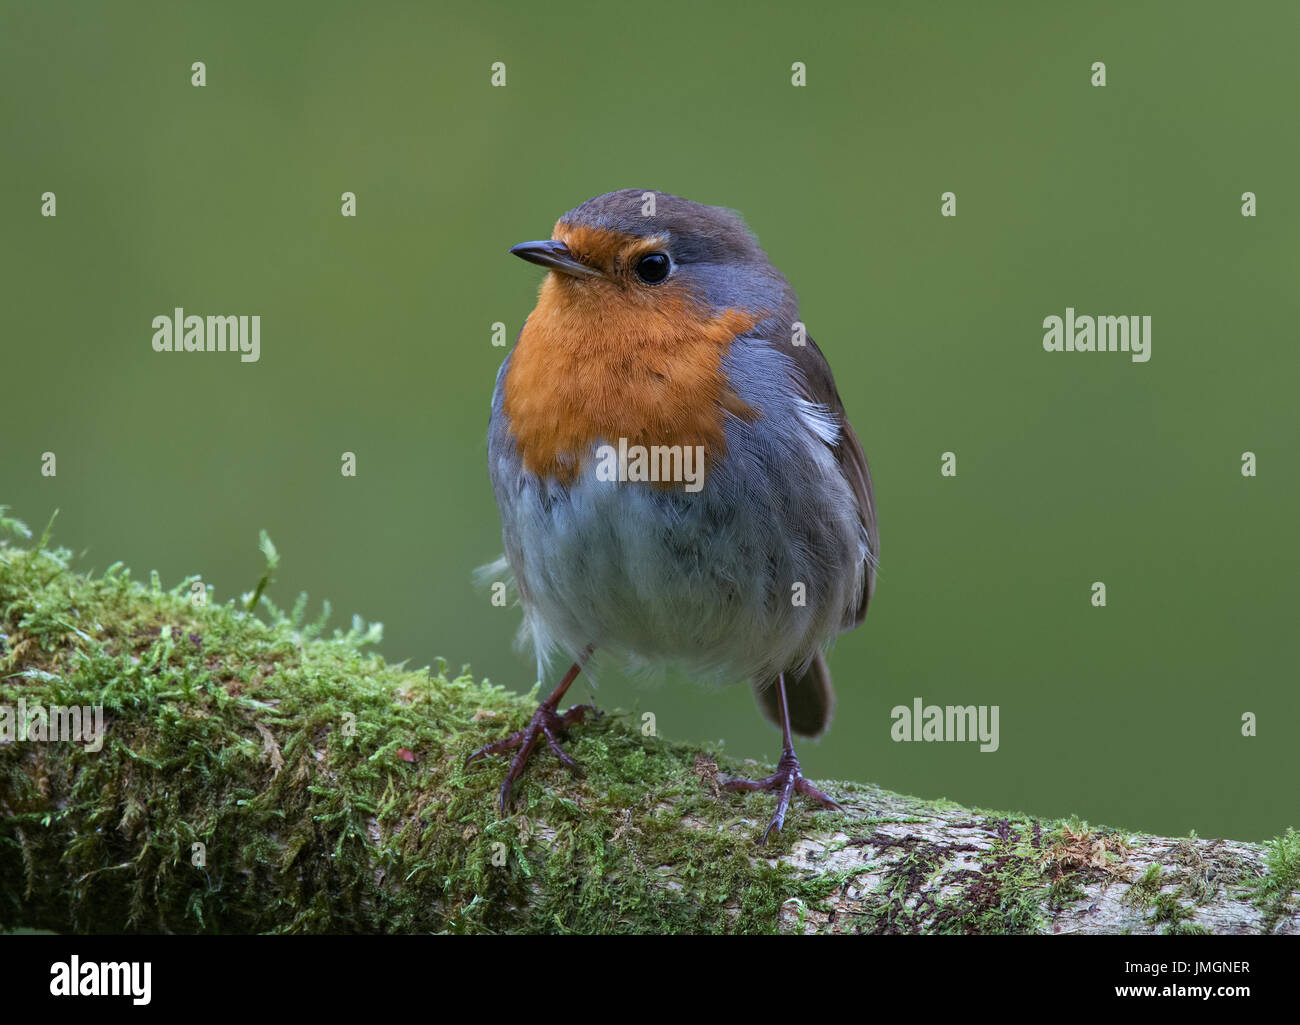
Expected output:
{"points": [[1072, 468]]}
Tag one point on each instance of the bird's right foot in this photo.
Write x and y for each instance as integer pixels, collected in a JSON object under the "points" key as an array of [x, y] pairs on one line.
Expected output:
{"points": [[547, 721]]}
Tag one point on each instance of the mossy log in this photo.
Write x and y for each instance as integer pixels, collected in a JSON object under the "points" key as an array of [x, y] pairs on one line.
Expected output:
{"points": [[258, 776]]}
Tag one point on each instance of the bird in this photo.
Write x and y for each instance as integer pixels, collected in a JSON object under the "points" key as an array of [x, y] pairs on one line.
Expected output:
{"points": [[677, 479]]}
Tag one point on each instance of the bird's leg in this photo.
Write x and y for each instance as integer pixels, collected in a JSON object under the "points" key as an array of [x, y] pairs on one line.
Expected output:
{"points": [[547, 721], [788, 777]]}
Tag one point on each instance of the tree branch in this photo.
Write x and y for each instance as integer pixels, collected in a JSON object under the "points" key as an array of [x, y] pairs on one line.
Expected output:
{"points": [[257, 776]]}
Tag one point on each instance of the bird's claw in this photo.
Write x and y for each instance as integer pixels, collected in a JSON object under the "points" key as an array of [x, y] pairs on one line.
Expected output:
{"points": [[546, 722], [787, 779]]}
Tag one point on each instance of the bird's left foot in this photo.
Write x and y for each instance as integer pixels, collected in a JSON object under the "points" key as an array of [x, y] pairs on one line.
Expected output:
{"points": [[787, 779]]}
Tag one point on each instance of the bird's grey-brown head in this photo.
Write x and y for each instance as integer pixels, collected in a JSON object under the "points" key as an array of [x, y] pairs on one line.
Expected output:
{"points": [[639, 239]]}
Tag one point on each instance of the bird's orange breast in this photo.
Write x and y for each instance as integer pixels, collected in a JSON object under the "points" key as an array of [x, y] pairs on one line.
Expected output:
{"points": [[599, 361]]}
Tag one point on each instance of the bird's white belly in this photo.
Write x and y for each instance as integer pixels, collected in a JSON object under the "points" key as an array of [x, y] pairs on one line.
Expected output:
{"points": [[657, 577]]}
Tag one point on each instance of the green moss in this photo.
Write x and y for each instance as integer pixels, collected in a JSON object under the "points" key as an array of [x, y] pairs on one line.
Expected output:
{"points": [[268, 742], [957, 888], [1143, 892], [1064, 890], [1188, 929], [1006, 895], [1276, 892], [1202, 870], [1169, 911], [898, 904]]}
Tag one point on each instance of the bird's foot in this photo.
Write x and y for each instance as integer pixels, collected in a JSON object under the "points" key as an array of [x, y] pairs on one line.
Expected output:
{"points": [[546, 722], [787, 779]]}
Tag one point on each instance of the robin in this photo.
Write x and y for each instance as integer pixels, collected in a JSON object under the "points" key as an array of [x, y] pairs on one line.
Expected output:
{"points": [[677, 480]]}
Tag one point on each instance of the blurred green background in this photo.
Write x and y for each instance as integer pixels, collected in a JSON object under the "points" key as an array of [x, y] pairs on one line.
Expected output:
{"points": [[376, 337]]}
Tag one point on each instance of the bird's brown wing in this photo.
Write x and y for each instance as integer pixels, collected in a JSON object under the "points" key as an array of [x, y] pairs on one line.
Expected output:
{"points": [[819, 387], [811, 695]]}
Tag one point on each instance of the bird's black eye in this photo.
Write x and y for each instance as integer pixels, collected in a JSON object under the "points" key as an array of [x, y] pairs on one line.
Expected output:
{"points": [[653, 268]]}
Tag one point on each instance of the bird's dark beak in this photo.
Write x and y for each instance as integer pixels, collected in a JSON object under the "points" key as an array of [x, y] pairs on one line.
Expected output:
{"points": [[556, 256]]}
